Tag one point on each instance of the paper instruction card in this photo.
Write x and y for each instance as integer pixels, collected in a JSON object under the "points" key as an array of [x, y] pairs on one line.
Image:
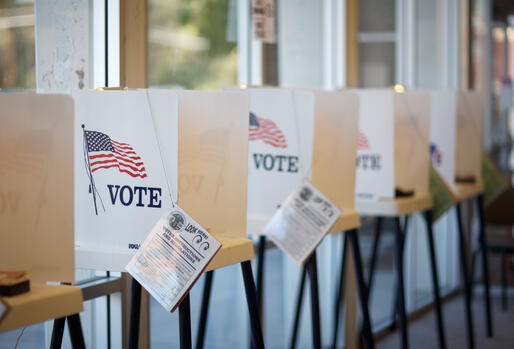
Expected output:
{"points": [[302, 221], [172, 257]]}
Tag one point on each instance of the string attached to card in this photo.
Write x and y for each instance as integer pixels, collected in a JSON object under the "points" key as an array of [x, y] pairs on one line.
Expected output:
{"points": [[159, 146]]}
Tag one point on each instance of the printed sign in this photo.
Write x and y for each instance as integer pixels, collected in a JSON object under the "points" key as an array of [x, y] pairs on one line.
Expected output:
{"points": [[263, 20], [375, 151], [281, 126], [172, 257], [121, 183], [302, 221]]}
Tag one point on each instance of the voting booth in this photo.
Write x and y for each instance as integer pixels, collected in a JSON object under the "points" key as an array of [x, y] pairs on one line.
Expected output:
{"points": [[36, 185], [36, 208], [297, 134], [394, 132], [280, 138], [456, 137]]}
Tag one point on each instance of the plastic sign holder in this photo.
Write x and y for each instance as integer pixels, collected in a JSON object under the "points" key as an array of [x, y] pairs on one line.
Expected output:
{"points": [[36, 208], [393, 177]]}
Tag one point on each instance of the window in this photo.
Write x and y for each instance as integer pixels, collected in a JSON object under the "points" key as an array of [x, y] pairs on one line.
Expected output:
{"points": [[17, 56], [192, 44]]}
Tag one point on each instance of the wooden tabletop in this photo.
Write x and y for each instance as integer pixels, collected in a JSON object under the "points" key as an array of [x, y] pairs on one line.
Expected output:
{"points": [[232, 251], [43, 302], [464, 191], [394, 207]]}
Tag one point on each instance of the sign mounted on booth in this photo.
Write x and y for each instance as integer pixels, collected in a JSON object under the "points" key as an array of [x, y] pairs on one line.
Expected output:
{"points": [[456, 135], [126, 145], [280, 139], [393, 140]]}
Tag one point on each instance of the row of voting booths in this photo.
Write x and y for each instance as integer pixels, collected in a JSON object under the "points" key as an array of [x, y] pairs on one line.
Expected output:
{"points": [[86, 176]]}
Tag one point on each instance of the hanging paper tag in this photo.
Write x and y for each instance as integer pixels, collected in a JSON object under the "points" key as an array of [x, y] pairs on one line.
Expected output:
{"points": [[301, 222], [172, 257]]}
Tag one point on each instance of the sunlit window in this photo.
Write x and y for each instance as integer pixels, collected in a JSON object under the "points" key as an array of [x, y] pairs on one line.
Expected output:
{"points": [[192, 43]]}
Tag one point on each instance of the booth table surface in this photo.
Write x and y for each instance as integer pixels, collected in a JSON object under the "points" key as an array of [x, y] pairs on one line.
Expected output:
{"points": [[464, 191], [349, 219], [232, 251], [43, 302], [395, 207]]}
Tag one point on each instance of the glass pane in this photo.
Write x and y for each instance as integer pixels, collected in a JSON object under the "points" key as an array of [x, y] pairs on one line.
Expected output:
{"points": [[192, 43], [377, 64], [377, 15], [17, 55]]}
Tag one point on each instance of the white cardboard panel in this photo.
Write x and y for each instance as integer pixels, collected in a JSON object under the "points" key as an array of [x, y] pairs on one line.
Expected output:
{"points": [[129, 199], [375, 164], [412, 139], [36, 185], [213, 160], [335, 146], [443, 131], [470, 113], [279, 149]]}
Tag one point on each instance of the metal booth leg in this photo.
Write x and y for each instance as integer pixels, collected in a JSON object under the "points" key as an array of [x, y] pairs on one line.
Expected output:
{"points": [[435, 280], [465, 279], [253, 306], [135, 312], [298, 308], [184, 318], [75, 330], [485, 264], [363, 290], [399, 271], [312, 270], [339, 294], [204, 309], [57, 333]]}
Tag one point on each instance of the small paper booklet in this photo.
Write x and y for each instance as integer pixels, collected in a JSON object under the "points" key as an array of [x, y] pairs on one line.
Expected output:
{"points": [[302, 221], [172, 257]]}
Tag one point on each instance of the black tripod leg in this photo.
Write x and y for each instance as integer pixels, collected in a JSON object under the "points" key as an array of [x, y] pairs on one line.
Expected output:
{"points": [[298, 308], [253, 307], [362, 288], [184, 318], [135, 311], [57, 333], [435, 280], [75, 330], [312, 269], [503, 261], [465, 279], [204, 309], [260, 272], [399, 271], [374, 253], [339, 294], [485, 265]]}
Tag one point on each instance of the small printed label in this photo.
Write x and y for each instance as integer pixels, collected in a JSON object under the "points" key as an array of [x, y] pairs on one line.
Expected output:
{"points": [[172, 257], [301, 222]]}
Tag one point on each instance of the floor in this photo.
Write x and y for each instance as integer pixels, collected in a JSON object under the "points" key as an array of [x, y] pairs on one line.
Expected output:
{"points": [[422, 333]]}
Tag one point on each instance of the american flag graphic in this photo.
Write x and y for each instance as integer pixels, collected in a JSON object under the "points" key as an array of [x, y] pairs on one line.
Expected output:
{"points": [[362, 142], [267, 131], [105, 152]]}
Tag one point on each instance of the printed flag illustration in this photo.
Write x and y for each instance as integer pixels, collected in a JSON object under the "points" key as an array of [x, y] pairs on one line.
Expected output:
{"points": [[102, 152], [267, 131], [362, 142]]}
